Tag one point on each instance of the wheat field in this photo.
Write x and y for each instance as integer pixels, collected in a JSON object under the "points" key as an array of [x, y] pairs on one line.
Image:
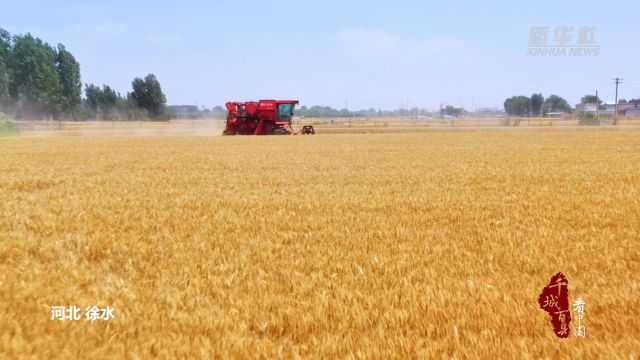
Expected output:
{"points": [[429, 245]]}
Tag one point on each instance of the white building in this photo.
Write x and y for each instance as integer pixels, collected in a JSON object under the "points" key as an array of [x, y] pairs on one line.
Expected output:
{"points": [[586, 107]]}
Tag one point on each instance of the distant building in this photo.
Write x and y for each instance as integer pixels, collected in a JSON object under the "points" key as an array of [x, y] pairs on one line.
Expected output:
{"points": [[624, 109], [586, 107], [632, 112], [557, 114], [490, 112]]}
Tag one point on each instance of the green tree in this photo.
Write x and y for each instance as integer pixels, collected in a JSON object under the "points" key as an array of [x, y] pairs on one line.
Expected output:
{"points": [[587, 118], [590, 99], [536, 104], [517, 105], [110, 100], [105, 103], [148, 95], [69, 77], [555, 103], [34, 85], [93, 98], [453, 111], [5, 48], [132, 111]]}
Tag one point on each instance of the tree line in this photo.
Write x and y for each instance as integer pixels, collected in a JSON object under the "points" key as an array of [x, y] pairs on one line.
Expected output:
{"points": [[317, 111], [327, 111], [194, 112], [535, 105], [40, 81]]}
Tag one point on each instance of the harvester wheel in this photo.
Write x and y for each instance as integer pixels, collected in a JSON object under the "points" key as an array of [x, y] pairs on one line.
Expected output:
{"points": [[279, 131]]}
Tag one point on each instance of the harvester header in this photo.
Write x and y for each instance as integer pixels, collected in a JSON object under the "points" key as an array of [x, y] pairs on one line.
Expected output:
{"points": [[264, 117]]}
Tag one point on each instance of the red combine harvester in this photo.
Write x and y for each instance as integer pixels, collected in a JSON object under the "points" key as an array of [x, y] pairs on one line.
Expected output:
{"points": [[265, 117]]}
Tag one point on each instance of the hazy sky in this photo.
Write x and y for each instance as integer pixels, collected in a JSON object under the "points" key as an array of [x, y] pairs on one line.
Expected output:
{"points": [[364, 53]]}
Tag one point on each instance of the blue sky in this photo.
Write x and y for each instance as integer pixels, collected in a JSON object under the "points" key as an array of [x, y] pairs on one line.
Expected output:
{"points": [[381, 54]]}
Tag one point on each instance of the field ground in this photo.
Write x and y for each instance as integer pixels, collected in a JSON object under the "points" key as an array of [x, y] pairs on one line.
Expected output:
{"points": [[352, 245], [210, 127]]}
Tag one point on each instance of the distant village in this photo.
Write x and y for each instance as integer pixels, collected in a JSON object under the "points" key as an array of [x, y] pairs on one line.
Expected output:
{"points": [[605, 109], [625, 108]]}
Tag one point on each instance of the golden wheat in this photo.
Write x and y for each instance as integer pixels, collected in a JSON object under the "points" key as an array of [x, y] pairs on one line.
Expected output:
{"points": [[377, 245]]}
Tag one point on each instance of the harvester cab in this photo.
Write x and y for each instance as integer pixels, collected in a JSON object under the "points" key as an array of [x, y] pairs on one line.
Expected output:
{"points": [[265, 117]]}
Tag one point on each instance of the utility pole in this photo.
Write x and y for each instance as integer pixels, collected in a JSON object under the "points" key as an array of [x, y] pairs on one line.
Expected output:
{"points": [[196, 115], [473, 106], [597, 108], [617, 82]]}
